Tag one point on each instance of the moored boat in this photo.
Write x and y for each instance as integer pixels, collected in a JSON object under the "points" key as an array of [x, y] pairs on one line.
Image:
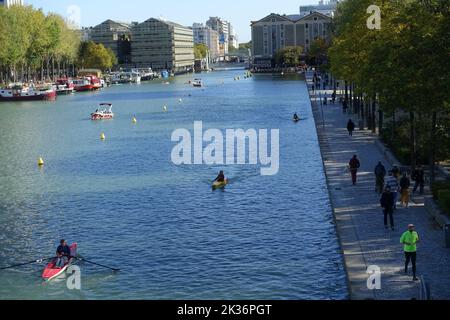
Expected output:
{"points": [[20, 92], [104, 112], [64, 86], [51, 271], [89, 83]]}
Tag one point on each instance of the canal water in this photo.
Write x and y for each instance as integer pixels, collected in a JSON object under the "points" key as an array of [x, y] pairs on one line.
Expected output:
{"points": [[128, 206]]}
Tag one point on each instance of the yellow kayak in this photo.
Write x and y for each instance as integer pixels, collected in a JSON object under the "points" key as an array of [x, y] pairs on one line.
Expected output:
{"points": [[219, 185]]}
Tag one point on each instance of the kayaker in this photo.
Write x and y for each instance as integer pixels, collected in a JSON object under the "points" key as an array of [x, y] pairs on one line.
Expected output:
{"points": [[220, 177], [63, 254], [296, 117]]}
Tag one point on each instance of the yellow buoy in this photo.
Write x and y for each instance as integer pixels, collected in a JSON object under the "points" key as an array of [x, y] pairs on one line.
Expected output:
{"points": [[40, 162], [102, 136]]}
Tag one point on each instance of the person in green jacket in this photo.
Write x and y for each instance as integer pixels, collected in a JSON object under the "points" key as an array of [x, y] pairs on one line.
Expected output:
{"points": [[410, 239]]}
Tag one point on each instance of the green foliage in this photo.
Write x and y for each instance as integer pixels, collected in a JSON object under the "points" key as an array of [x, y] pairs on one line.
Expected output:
{"points": [[405, 64], [96, 56], [439, 186], [318, 52], [444, 201], [29, 38], [288, 56], [245, 46], [200, 51]]}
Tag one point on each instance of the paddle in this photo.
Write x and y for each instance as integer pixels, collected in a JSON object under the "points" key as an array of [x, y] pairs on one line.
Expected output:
{"points": [[27, 263], [97, 264]]}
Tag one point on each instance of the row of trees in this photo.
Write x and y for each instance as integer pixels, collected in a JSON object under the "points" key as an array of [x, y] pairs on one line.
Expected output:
{"points": [[292, 56], [39, 47], [402, 68], [32, 42]]}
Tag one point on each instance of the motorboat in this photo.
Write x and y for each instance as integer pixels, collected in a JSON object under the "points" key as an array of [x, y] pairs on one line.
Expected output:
{"points": [[21, 92], [104, 112]]}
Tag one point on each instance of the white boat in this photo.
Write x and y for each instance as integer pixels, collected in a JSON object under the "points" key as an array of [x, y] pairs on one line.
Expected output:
{"points": [[104, 112], [197, 83]]}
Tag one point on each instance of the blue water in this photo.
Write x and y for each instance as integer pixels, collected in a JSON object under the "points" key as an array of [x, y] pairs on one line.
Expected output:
{"points": [[128, 206]]}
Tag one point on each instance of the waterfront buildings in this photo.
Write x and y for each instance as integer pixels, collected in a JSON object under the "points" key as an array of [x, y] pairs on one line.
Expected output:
{"points": [[232, 37], [160, 44], [9, 3], [222, 27], [327, 9], [207, 36], [114, 35], [275, 32]]}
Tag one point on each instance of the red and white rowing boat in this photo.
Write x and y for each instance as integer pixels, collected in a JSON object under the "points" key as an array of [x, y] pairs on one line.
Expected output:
{"points": [[51, 271]]}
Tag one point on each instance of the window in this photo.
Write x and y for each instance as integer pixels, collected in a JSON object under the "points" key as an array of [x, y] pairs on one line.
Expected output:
{"points": [[282, 34], [315, 18], [306, 25], [307, 41], [282, 27], [282, 43], [274, 20]]}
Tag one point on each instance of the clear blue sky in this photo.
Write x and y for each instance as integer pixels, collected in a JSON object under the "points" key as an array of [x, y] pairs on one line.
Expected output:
{"points": [[186, 12]]}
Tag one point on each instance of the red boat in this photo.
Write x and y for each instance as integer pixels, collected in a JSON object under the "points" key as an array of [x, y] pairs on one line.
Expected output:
{"points": [[104, 112], [64, 86], [90, 83], [19, 92], [51, 271]]}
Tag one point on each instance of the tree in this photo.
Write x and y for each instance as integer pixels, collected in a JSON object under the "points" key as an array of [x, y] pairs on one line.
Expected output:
{"points": [[93, 55], [200, 51], [318, 52], [288, 56]]}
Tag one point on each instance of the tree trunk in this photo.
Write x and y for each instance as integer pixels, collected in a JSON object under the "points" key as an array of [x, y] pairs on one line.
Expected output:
{"points": [[413, 139], [433, 147], [346, 91]]}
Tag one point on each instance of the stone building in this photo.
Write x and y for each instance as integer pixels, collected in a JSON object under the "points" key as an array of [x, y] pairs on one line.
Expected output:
{"points": [[275, 32], [160, 44], [114, 35]]}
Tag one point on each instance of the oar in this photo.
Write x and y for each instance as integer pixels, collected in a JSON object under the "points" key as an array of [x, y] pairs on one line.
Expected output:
{"points": [[27, 263], [97, 264]]}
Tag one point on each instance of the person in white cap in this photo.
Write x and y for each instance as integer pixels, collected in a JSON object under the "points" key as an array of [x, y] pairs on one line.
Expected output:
{"points": [[410, 239]]}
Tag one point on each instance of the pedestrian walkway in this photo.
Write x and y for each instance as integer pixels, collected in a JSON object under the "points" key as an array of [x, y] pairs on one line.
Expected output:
{"points": [[359, 218]]}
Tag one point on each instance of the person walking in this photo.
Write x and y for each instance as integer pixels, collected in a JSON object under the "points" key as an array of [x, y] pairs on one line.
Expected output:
{"points": [[345, 106], [380, 174], [351, 127], [354, 165], [418, 177], [396, 172], [394, 186], [387, 203], [405, 184], [409, 240]]}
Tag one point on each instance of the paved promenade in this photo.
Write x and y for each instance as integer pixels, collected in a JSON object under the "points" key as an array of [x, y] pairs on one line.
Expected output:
{"points": [[359, 218]]}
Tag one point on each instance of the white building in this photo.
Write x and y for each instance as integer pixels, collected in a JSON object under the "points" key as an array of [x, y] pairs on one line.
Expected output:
{"points": [[328, 8], [10, 3], [207, 36], [221, 26], [232, 37]]}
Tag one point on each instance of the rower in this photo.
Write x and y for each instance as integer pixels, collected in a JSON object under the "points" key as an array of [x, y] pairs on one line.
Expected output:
{"points": [[220, 177], [63, 254]]}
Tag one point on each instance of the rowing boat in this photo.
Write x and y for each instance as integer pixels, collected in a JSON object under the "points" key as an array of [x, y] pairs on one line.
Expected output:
{"points": [[220, 184], [51, 271]]}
